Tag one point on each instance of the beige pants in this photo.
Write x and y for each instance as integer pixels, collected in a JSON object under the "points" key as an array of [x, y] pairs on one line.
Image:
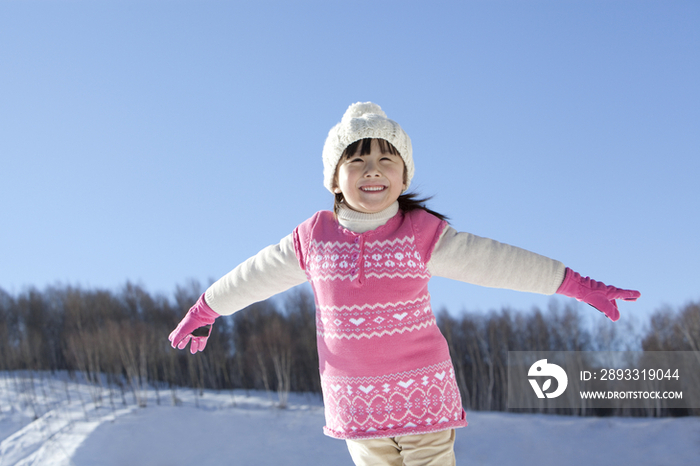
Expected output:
{"points": [[435, 449]]}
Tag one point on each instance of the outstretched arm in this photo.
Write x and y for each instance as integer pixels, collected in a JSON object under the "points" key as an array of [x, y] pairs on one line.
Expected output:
{"points": [[271, 271], [485, 262]]}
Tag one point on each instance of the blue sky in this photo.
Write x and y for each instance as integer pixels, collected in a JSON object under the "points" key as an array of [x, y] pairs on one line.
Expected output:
{"points": [[162, 141]]}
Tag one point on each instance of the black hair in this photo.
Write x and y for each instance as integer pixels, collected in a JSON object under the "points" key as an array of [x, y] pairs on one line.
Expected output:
{"points": [[408, 201]]}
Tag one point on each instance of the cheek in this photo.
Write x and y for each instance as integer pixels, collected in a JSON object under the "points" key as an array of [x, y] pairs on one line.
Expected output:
{"points": [[401, 174], [340, 178], [345, 173]]}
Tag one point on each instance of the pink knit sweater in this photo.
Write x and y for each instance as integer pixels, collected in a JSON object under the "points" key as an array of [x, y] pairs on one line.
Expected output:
{"points": [[385, 367]]}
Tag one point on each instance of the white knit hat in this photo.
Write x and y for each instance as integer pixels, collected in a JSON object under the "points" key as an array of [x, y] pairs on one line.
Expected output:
{"points": [[364, 120]]}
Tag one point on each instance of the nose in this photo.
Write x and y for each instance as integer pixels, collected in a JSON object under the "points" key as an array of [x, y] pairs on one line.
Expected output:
{"points": [[371, 169]]}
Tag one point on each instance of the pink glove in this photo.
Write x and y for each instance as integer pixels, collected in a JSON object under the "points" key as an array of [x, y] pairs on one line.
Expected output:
{"points": [[195, 327], [597, 294]]}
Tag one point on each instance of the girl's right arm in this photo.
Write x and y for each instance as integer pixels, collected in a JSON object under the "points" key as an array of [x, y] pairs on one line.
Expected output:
{"points": [[271, 271]]}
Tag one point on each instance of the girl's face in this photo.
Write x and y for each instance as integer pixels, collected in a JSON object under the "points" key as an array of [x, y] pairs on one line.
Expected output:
{"points": [[370, 183]]}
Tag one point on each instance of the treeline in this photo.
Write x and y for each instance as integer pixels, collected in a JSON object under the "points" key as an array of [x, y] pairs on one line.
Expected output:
{"points": [[123, 336], [479, 346], [120, 338]]}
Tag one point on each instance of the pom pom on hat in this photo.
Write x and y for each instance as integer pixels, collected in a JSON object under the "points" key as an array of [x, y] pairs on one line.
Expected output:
{"points": [[362, 108], [364, 120]]}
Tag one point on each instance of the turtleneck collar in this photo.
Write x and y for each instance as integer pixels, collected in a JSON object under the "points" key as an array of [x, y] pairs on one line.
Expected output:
{"points": [[360, 222]]}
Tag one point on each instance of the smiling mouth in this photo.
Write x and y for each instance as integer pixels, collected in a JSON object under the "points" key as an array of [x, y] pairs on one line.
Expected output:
{"points": [[373, 189]]}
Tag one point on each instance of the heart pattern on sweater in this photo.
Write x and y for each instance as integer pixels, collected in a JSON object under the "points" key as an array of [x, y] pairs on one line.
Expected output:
{"points": [[416, 399], [357, 321], [407, 383]]}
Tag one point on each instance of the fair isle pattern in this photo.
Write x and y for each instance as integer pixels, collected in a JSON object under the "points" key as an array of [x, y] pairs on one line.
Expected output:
{"points": [[385, 367], [394, 258], [378, 259], [367, 321], [332, 260], [376, 333], [422, 400], [425, 299]]}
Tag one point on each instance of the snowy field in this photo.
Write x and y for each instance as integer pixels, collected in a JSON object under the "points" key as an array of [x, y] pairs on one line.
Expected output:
{"points": [[54, 420]]}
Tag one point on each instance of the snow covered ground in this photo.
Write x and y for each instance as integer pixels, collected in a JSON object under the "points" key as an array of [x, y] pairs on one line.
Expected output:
{"points": [[54, 420]]}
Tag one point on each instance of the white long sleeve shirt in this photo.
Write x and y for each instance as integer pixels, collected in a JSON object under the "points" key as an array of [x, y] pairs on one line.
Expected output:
{"points": [[457, 255]]}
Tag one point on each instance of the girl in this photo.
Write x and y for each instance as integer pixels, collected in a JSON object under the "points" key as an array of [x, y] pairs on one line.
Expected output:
{"points": [[388, 383]]}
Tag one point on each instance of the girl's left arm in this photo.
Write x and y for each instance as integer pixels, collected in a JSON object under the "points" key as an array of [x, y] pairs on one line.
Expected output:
{"points": [[482, 261], [485, 262]]}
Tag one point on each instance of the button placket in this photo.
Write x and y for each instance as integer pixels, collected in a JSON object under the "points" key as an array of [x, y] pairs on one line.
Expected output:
{"points": [[358, 268]]}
